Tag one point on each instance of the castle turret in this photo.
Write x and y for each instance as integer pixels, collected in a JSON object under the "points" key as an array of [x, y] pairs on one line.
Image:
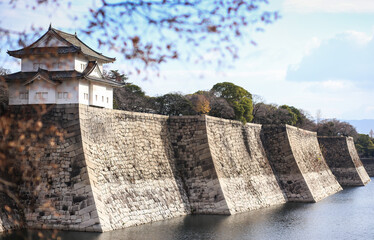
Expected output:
{"points": [[59, 68]]}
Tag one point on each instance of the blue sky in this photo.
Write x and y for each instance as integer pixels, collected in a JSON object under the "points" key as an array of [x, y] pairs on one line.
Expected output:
{"points": [[319, 55]]}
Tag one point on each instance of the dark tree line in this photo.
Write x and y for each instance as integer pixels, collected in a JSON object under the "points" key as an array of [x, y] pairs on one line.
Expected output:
{"points": [[229, 101], [365, 145]]}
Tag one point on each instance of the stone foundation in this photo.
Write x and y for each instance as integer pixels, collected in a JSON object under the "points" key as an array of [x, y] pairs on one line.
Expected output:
{"points": [[115, 169], [224, 165], [63, 198], [343, 160], [369, 165], [298, 163], [131, 166], [246, 178], [195, 163]]}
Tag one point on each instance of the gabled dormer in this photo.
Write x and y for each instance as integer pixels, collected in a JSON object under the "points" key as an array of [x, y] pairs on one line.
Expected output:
{"points": [[58, 51]]}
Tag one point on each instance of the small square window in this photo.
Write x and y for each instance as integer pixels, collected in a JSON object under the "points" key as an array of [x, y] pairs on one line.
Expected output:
{"points": [[44, 95]]}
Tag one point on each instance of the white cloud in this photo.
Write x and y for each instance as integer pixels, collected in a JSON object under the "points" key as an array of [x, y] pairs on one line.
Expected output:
{"points": [[346, 56], [336, 85], [311, 45], [358, 37], [329, 6]]}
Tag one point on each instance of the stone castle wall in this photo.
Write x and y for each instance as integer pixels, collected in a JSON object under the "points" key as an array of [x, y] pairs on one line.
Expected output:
{"points": [[243, 170], [369, 165], [194, 162], [131, 166], [63, 198], [115, 169], [224, 165], [343, 160], [299, 164]]}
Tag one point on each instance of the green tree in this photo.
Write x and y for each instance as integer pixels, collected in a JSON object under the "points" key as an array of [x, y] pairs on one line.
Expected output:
{"points": [[132, 98], [115, 75], [292, 116], [364, 145], [174, 104], [239, 98]]}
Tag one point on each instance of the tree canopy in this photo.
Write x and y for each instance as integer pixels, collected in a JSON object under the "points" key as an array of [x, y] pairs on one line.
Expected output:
{"points": [[239, 98], [365, 145], [334, 127], [174, 104], [115, 75]]}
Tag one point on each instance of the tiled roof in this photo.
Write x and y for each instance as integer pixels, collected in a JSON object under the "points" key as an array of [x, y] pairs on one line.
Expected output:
{"points": [[74, 40], [44, 50], [90, 66], [61, 75], [53, 75], [75, 45]]}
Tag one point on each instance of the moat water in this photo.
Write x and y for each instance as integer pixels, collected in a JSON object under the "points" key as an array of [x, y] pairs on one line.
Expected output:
{"points": [[348, 214]]}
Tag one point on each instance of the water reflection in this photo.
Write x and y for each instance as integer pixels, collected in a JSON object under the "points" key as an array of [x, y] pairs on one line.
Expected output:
{"points": [[345, 215]]}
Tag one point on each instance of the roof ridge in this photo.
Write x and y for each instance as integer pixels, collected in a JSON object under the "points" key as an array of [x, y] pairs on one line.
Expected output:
{"points": [[76, 37], [57, 30], [71, 40], [92, 48]]}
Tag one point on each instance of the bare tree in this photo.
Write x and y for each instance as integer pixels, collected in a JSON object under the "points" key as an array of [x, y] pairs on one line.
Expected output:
{"points": [[154, 31], [318, 116], [334, 127]]}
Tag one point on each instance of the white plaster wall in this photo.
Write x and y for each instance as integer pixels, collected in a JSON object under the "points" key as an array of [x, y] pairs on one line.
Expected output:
{"points": [[77, 63], [84, 87], [97, 92], [109, 94], [71, 87], [100, 64], [63, 63], [42, 86], [15, 88], [100, 94]]}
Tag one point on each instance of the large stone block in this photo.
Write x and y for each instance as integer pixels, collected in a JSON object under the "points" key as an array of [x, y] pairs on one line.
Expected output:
{"points": [[369, 165], [341, 156], [298, 163], [131, 168], [224, 165]]}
